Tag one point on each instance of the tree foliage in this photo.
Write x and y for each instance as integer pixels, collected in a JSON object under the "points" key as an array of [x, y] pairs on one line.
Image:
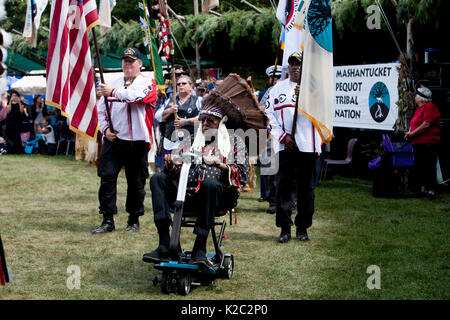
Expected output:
{"points": [[233, 25]]}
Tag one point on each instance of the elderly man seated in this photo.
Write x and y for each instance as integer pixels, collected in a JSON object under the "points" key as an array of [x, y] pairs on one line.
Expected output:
{"points": [[224, 165]]}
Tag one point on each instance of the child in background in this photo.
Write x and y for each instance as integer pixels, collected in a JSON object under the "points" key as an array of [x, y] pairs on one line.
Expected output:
{"points": [[48, 145]]}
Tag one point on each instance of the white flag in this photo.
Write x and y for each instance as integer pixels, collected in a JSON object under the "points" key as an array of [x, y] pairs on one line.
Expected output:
{"points": [[291, 15], [317, 86], [104, 14], [208, 5], [33, 19]]}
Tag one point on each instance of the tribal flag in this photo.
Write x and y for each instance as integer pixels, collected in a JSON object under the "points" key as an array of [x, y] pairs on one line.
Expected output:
{"points": [[33, 19], [208, 5], [317, 86], [70, 79], [287, 13], [148, 27], [104, 14]]}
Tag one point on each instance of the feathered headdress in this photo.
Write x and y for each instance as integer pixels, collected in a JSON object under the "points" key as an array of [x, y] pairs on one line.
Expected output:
{"points": [[237, 100]]}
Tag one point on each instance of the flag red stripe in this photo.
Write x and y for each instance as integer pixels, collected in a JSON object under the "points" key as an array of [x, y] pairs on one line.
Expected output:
{"points": [[82, 106], [72, 83]]}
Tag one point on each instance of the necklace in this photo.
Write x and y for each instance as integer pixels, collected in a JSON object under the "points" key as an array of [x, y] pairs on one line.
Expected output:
{"points": [[128, 82]]}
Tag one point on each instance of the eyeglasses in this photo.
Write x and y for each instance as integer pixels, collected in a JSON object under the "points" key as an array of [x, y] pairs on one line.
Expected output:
{"points": [[209, 120], [182, 83]]}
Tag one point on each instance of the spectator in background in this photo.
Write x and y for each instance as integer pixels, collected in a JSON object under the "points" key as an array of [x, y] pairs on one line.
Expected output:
{"points": [[47, 145], [3, 114], [38, 109], [424, 134], [3, 146], [200, 92], [15, 112], [268, 181]]}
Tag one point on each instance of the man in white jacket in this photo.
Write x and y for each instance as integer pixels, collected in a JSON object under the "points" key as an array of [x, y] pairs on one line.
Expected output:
{"points": [[297, 153], [131, 101]]}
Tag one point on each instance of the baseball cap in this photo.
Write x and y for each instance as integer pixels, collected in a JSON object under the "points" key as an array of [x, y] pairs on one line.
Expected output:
{"points": [[296, 56], [132, 53]]}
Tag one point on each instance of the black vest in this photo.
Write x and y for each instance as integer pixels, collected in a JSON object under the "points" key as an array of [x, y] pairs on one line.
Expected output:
{"points": [[187, 110]]}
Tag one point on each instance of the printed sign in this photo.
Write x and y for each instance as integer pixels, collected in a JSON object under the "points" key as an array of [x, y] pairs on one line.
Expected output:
{"points": [[366, 96]]}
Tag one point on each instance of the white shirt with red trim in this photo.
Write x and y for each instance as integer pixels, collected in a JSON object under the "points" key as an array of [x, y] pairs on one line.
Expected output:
{"points": [[132, 109], [280, 108]]}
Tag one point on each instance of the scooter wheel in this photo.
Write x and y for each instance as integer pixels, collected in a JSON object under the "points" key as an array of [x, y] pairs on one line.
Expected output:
{"points": [[228, 266], [184, 284], [165, 282]]}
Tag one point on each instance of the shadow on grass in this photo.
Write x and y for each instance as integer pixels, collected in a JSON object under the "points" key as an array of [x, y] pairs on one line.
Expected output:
{"points": [[253, 236], [127, 276], [65, 226]]}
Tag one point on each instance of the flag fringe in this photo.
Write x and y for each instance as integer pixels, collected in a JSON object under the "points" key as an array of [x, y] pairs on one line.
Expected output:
{"points": [[76, 130], [319, 126]]}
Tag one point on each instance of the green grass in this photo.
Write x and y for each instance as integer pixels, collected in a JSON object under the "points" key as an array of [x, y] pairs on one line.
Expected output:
{"points": [[49, 206]]}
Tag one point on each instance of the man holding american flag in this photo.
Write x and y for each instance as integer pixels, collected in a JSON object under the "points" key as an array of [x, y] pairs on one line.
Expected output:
{"points": [[131, 100]]}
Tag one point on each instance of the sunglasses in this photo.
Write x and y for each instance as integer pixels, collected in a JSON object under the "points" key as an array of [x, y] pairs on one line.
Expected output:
{"points": [[182, 83]]}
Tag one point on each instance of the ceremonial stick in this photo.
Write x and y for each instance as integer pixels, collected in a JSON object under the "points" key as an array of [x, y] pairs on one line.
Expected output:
{"points": [[97, 53]]}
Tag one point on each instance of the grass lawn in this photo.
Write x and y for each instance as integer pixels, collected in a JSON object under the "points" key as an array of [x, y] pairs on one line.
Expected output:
{"points": [[49, 206]]}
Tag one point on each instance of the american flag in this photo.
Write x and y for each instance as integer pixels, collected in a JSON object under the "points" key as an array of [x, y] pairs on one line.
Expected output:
{"points": [[70, 79]]}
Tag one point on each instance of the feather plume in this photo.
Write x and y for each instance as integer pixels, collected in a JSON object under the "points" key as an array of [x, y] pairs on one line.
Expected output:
{"points": [[236, 98]]}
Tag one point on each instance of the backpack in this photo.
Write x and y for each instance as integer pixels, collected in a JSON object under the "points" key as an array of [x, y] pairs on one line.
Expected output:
{"points": [[32, 146]]}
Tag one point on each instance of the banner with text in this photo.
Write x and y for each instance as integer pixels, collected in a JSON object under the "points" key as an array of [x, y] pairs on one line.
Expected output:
{"points": [[366, 96]]}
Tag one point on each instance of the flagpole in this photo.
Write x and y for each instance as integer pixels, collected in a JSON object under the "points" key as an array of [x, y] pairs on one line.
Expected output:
{"points": [[276, 64], [294, 124], [97, 53], [172, 51]]}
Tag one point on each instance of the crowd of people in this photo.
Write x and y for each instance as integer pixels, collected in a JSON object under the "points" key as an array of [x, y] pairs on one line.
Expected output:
{"points": [[22, 123], [140, 113], [175, 117]]}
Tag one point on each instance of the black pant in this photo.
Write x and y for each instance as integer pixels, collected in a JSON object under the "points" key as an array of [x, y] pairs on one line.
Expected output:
{"points": [[133, 155], [13, 130], [206, 202], [300, 168], [425, 157], [269, 184]]}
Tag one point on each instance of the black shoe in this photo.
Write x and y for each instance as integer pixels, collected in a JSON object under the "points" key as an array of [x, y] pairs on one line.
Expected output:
{"points": [[284, 237], [132, 224], [262, 199], [132, 227], [301, 235], [156, 256], [202, 261], [106, 226], [271, 210]]}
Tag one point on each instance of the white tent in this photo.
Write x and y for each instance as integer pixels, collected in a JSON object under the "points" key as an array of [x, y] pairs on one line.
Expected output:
{"points": [[36, 84]]}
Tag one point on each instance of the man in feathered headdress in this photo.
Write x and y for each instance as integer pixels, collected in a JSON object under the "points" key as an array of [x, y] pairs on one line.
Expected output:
{"points": [[221, 167]]}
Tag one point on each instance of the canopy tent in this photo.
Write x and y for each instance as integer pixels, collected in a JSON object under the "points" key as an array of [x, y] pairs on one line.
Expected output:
{"points": [[19, 63], [36, 84]]}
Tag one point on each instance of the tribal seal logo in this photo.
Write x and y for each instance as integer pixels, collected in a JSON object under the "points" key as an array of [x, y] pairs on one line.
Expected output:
{"points": [[379, 102], [319, 23]]}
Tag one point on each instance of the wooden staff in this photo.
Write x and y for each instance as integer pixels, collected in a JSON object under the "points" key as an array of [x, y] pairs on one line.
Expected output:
{"points": [[108, 114], [276, 64], [294, 124]]}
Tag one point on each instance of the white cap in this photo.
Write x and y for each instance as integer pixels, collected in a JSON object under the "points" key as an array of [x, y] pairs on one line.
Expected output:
{"points": [[269, 71], [425, 93]]}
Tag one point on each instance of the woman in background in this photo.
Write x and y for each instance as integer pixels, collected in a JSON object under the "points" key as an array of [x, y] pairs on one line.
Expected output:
{"points": [[424, 134]]}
